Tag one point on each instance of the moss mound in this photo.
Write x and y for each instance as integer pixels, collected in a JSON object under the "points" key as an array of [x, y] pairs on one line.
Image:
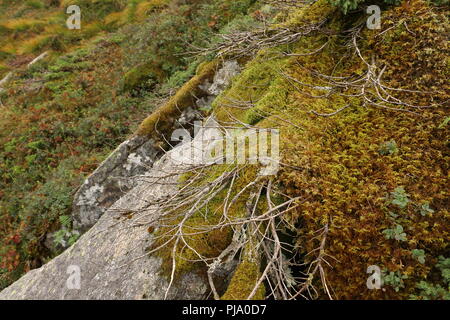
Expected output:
{"points": [[345, 178], [363, 117], [146, 74], [163, 118]]}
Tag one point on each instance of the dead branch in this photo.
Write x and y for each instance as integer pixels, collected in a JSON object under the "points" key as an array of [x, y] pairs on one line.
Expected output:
{"points": [[247, 43]]}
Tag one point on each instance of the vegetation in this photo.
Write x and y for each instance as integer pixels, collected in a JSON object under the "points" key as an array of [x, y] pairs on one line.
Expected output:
{"points": [[63, 115], [364, 153], [363, 118]]}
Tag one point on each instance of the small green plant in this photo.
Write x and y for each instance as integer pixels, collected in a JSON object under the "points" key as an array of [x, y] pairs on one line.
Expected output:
{"points": [[65, 237], [444, 266], [429, 291], [395, 233], [394, 279], [393, 215], [388, 148], [425, 209], [399, 197], [436, 291], [419, 255]]}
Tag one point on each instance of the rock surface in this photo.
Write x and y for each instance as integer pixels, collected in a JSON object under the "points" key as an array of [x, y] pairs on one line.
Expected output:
{"points": [[110, 180], [111, 256], [113, 178]]}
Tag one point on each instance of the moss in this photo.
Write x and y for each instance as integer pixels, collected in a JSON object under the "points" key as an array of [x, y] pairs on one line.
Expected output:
{"points": [[209, 244], [134, 78], [312, 14], [260, 82], [341, 173], [243, 281], [136, 10], [144, 7], [253, 85], [164, 117], [246, 276]]}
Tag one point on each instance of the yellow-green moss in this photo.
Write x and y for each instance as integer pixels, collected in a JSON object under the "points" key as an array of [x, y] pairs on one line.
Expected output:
{"points": [[320, 10], [209, 244], [251, 85], [134, 12], [143, 72], [342, 175], [243, 281], [164, 117]]}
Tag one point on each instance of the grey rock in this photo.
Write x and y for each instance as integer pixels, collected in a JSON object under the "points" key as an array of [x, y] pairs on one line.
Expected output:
{"points": [[113, 178], [221, 81], [111, 256], [223, 77], [205, 102], [187, 118]]}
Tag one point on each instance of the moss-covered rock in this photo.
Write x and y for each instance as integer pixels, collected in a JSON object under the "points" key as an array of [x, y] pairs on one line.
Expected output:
{"points": [[163, 118], [243, 282], [332, 140], [364, 129]]}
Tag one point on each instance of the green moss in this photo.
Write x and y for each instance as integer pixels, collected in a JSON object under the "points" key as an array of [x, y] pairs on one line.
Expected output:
{"points": [[137, 76], [243, 281], [209, 244], [164, 117], [312, 14], [252, 85], [341, 171]]}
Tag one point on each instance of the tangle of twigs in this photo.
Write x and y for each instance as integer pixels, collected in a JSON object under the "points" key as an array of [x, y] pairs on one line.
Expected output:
{"points": [[242, 44], [256, 226], [368, 86]]}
